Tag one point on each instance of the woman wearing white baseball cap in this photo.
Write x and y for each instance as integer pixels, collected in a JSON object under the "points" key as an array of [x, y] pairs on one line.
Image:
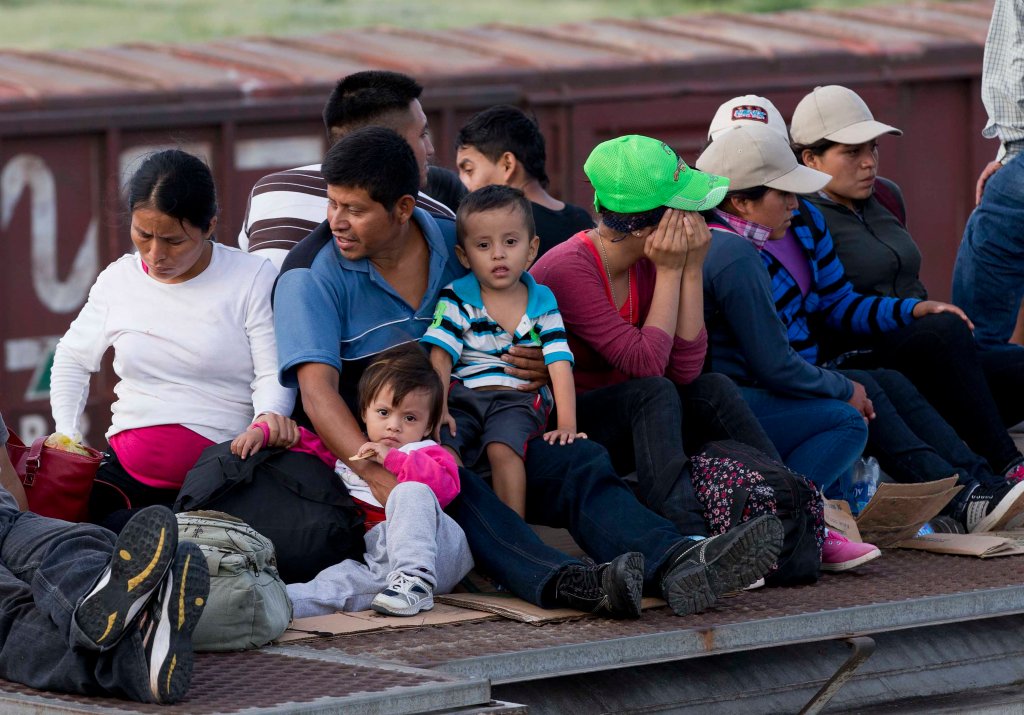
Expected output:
{"points": [[786, 390], [834, 131]]}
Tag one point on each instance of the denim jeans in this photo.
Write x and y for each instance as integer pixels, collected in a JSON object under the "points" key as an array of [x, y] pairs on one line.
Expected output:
{"points": [[938, 354], [987, 281], [572, 487], [817, 437], [910, 439], [46, 567], [640, 423]]}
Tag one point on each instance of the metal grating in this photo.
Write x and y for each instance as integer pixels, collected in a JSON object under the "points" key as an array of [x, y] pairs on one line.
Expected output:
{"points": [[897, 576]]}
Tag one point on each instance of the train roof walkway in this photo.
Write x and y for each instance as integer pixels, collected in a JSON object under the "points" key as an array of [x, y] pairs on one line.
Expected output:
{"points": [[459, 667]]}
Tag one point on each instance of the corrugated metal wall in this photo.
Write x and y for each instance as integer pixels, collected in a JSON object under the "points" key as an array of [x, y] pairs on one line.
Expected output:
{"points": [[73, 123]]}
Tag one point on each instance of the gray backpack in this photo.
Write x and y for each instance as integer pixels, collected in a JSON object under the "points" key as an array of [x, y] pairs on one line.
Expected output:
{"points": [[248, 605]]}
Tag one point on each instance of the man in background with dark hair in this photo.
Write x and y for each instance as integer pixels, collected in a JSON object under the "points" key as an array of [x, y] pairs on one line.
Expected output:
{"points": [[285, 206], [502, 145]]}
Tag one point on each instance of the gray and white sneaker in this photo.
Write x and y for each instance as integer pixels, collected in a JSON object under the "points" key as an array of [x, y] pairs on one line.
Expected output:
{"points": [[169, 621], [405, 596]]}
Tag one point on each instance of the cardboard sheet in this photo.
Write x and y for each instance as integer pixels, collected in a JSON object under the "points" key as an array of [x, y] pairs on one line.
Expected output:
{"points": [[507, 605], [983, 546], [344, 623], [898, 511]]}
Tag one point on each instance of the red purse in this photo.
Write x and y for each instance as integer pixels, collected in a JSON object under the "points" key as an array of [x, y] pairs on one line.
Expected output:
{"points": [[57, 483]]}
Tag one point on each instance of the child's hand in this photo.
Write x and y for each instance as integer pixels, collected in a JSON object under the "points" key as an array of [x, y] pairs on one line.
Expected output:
{"points": [[248, 443], [372, 451], [446, 419], [563, 436]]}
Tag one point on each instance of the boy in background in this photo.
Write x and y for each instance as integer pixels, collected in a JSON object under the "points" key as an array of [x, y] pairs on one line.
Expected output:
{"points": [[503, 146]]}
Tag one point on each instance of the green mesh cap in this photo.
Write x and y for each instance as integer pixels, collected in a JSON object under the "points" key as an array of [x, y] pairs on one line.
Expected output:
{"points": [[633, 173]]}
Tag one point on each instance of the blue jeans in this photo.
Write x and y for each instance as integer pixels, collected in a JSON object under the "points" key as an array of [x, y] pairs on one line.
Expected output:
{"points": [[818, 438], [910, 439], [987, 277], [46, 567], [572, 487]]}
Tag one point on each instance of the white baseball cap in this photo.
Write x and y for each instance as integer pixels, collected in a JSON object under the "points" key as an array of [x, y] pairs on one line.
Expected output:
{"points": [[753, 155], [748, 109], [837, 114]]}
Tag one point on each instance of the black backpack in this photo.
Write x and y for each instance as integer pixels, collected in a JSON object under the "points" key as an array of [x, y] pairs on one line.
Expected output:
{"points": [[736, 482], [292, 498]]}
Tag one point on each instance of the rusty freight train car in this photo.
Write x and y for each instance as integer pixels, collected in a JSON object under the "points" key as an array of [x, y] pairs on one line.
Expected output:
{"points": [[73, 123]]}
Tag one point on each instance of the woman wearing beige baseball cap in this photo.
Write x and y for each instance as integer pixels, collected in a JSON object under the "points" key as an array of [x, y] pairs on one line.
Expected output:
{"points": [[772, 324], [979, 393]]}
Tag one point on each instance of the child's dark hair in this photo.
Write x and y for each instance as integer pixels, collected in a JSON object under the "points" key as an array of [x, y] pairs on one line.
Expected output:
{"points": [[175, 183], [503, 128], [493, 197], [377, 160], [404, 368]]}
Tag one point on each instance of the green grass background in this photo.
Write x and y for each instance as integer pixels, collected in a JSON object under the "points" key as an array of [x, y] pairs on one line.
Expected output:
{"points": [[51, 24]]}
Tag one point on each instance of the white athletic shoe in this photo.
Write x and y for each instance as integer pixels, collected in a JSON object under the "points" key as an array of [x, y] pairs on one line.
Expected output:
{"points": [[404, 596]]}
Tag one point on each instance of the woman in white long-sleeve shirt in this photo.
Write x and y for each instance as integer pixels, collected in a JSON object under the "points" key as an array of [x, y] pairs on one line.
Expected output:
{"points": [[191, 326]]}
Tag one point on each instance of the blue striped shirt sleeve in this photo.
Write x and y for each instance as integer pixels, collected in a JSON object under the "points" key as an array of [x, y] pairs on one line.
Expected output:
{"points": [[551, 330], [448, 327], [845, 309]]}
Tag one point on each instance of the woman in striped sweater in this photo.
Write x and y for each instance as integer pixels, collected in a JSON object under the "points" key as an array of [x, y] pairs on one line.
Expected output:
{"points": [[806, 285]]}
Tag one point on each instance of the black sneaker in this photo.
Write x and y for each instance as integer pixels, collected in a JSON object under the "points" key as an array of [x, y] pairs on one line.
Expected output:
{"points": [[699, 574], [169, 622], [613, 589], [990, 508], [142, 554]]}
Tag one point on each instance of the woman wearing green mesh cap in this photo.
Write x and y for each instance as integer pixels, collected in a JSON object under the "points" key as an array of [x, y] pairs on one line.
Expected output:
{"points": [[631, 295]]}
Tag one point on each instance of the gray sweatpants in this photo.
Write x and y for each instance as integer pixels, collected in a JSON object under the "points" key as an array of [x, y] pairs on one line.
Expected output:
{"points": [[417, 539]]}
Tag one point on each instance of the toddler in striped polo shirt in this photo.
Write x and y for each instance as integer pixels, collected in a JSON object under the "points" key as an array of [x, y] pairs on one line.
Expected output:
{"points": [[489, 417]]}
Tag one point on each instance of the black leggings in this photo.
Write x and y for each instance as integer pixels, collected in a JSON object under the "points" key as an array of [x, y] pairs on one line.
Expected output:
{"points": [[117, 495], [938, 354]]}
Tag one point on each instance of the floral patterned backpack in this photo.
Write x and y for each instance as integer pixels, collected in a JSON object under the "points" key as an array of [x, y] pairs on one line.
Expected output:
{"points": [[736, 482]]}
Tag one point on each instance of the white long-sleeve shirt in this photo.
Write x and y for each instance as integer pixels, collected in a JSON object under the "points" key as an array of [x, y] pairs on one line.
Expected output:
{"points": [[200, 353]]}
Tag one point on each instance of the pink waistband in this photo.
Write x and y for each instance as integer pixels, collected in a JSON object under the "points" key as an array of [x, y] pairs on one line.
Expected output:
{"points": [[159, 456]]}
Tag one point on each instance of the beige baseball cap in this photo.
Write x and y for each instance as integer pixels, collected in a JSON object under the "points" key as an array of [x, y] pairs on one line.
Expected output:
{"points": [[748, 109], [837, 114], [753, 155]]}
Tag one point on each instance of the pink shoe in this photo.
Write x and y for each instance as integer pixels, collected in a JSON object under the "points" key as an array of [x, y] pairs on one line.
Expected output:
{"points": [[1015, 474], [839, 553]]}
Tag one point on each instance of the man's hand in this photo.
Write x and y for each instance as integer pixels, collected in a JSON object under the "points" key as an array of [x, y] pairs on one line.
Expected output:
{"points": [[930, 307], [527, 363], [986, 174], [861, 402]]}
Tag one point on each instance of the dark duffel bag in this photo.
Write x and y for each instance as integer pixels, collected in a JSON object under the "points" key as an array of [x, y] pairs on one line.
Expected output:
{"points": [[292, 498], [736, 482]]}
